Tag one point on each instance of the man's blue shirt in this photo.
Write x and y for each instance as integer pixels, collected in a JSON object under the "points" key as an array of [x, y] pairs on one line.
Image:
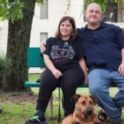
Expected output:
{"points": [[102, 46]]}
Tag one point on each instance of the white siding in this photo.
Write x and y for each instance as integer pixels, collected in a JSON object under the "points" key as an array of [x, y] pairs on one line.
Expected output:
{"points": [[76, 11], [56, 9], [3, 37]]}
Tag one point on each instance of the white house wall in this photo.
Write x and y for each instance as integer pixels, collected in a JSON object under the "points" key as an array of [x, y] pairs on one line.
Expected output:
{"points": [[56, 10], [76, 11], [3, 37]]}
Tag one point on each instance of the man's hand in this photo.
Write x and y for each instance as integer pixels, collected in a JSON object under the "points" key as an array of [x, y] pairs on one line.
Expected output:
{"points": [[121, 69], [42, 46], [57, 73]]}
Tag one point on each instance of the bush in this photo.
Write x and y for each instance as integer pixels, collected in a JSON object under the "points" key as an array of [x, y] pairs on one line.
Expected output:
{"points": [[2, 66]]}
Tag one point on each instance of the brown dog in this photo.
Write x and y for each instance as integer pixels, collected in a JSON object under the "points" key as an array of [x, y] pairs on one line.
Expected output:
{"points": [[84, 111]]}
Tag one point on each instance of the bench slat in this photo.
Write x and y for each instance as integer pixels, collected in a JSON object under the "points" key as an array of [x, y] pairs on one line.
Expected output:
{"points": [[29, 84], [34, 58]]}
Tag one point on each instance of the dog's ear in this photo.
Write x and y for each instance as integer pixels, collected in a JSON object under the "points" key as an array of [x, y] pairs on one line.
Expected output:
{"points": [[76, 97], [94, 99]]}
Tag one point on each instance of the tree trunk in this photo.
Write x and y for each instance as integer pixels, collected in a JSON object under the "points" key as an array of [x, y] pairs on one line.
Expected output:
{"points": [[16, 71]]}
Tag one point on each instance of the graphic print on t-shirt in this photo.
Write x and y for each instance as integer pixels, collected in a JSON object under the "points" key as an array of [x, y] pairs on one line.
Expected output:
{"points": [[63, 53]]}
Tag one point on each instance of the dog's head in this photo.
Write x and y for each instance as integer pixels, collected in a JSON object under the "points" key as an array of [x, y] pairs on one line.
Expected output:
{"points": [[84, 105]]}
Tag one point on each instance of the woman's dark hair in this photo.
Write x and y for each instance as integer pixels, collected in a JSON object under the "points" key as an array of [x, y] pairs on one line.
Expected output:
{"points": [[71, 20]]}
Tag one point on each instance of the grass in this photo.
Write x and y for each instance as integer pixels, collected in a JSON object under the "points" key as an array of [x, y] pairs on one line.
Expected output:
{"points": [[18, 107], [15, 113]]}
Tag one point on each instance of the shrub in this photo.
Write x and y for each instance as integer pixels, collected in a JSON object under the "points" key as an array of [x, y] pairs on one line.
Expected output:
{"points": [[2, 66]]}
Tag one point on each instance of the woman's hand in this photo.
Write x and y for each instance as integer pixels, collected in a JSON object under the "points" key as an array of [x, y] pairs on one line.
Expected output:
{"points": [[57, 73]]}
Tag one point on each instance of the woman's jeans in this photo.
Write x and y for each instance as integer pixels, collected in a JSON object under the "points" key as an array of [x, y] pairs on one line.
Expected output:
{"points": [[99, 83]]}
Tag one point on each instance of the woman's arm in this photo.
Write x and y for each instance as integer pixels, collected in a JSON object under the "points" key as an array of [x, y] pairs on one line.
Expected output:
{"points": [[84, 68], [51, 67]]}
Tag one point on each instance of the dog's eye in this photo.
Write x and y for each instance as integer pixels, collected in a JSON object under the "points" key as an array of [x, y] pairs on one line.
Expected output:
{"points": [[83, 103], [90, 102]]}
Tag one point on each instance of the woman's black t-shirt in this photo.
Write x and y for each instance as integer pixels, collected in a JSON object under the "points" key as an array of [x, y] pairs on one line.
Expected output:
{"points": [[64, 54]]}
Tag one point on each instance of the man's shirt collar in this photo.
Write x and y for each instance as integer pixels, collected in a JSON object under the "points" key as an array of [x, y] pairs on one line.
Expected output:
{"points": [[102, 25]]}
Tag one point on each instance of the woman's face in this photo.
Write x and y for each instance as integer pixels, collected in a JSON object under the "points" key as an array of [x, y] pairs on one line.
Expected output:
{"points": [[66, 29]]}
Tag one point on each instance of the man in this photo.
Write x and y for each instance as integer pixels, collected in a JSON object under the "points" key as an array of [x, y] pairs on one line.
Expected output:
{"points": [[103, 46]]}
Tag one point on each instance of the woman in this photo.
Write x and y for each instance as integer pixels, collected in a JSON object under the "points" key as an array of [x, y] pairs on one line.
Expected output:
{"points": [[65, 67]]}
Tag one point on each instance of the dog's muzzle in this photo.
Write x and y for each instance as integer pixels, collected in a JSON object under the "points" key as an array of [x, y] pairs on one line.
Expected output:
{"points": [[88, 112]]}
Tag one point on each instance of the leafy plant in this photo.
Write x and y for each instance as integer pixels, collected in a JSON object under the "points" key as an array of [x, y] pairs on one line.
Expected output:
{"points": [[3, 63], [11, 10], [2, 66]]}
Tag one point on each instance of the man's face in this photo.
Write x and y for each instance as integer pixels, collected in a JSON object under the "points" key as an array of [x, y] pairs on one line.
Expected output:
{"points": [[93, 14]]}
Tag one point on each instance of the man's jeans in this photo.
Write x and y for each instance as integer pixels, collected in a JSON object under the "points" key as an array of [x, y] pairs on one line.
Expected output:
{"points": [[99, 83]]}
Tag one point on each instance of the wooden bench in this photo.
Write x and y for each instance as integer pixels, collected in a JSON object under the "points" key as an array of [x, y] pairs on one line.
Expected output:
{"points": [[34, 59]]}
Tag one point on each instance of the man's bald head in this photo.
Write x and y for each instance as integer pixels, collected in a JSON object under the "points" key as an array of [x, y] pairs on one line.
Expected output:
{"points": [[92, 5]]}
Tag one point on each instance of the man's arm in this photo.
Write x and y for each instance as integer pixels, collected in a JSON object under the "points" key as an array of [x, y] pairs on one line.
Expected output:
{"points": [[121, 67], [42, 46]]}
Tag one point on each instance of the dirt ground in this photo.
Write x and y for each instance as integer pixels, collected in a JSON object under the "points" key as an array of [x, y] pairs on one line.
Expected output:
{"points": [[17, 97], [25, 97]]}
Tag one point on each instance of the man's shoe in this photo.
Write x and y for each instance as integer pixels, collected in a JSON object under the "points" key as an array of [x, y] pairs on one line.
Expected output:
{"points": [[117, 122], [102, 115]]}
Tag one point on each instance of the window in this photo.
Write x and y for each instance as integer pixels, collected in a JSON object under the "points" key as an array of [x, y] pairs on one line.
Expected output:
{"points": [[110, 15], [43, 36], [114, 12], [44, 11], [121, 15]]}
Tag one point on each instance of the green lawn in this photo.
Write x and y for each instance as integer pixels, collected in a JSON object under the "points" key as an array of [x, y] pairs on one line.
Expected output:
{"points": [[18, 107]]}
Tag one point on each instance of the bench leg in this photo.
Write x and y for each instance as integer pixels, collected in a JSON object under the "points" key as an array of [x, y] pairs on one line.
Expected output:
{"points": [[0, 108], [51, 107]]}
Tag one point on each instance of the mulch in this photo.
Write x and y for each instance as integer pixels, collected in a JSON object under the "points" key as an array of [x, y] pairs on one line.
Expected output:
{"points": [[17, 97]]}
